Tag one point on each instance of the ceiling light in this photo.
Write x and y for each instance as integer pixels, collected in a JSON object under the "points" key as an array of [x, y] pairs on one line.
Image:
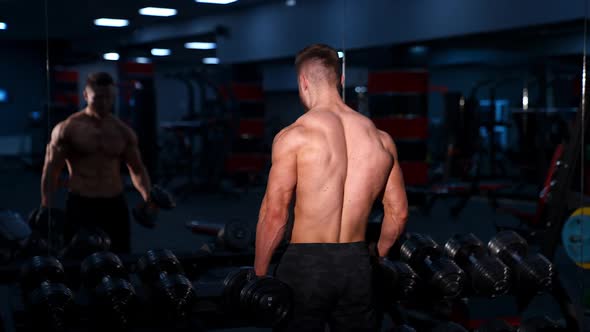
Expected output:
{"points": [[156, 11], [3, 26], [418, 49], [340, 54], [112, 56], [525, 99], [111, 22], [217, 2], [143, 59], [200, 46], [161, 52], [290, 3], [211, 61]]}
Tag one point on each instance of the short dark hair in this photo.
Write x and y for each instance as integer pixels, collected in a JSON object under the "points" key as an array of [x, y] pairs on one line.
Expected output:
{"points": [[99, 79], [325, 55]]}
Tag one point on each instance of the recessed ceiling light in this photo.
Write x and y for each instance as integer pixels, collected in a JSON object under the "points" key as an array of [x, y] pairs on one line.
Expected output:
{"points": [[161, 52], [200, 45], [156, 11], [211, 61], [143, 59], [111, 22], [217, 2], [3, 26], [291, 3], [112, 56]]}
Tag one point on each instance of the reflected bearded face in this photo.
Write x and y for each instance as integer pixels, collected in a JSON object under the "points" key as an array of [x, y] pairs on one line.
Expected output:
{"points": [[100, 99]]}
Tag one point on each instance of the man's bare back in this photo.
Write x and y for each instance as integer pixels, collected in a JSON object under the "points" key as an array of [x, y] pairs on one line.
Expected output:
{"points": [[343, 163], [93, 150]]}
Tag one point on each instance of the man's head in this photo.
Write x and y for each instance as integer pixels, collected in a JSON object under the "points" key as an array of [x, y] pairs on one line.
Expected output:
{"points": [[318, 69], [99, 92]]}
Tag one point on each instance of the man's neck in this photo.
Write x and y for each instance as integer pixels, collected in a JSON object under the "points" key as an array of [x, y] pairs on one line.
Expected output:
{"points": [[326, 98], [93, 114]]}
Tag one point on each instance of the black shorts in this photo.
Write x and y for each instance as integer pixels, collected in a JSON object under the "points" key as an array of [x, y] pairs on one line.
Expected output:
{"points": [[110, 214], [332, 284]]}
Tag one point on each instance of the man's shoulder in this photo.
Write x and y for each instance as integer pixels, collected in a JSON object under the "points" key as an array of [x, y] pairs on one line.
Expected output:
{"points": [[65, 127], [291, 132]]}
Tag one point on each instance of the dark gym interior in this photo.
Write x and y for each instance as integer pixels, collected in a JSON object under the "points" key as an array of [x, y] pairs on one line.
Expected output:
{"points": [[486, 102]]}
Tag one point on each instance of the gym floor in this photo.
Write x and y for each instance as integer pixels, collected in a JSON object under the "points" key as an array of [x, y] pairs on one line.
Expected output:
{"points": [[21, 193]]}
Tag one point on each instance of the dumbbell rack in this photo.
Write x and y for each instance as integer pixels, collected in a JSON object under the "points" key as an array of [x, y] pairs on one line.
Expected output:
{"points": [[424, 310], [207, 313]]}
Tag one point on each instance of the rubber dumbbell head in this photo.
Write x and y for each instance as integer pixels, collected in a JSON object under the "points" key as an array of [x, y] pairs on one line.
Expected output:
{"points": [[487, 274], [532, 273], [50, 305], [87, 241], [156, 261], [173, 296], [267, 300], [39, 269], [113, 298], [232, 287], [400, 282], [440, 274], [99, 265], [115, 302], [235, 235]]}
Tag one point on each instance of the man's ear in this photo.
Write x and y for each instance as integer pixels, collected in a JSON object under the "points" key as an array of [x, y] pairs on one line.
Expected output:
{"points": [[85, 94], [342, 79], [304, 82]]}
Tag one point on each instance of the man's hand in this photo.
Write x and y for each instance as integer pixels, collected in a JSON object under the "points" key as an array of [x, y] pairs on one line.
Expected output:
{"points": [[146, 212]]}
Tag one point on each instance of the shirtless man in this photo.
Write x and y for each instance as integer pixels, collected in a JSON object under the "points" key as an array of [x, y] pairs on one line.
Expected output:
{"points": [[338, 164], [93, 143]]}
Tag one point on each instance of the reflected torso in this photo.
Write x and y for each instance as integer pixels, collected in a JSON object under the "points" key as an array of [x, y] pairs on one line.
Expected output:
{"points": [[94, 154], [342, 167]]}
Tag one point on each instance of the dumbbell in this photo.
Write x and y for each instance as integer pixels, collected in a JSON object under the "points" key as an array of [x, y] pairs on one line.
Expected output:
{"points": [[146, 213], [113, 298], [234, 235], [441, 275], [264, 301], [169, 289], [47, 299], [86, 241], [531, 273], [398, 280], [540, 324], [487, 274]]}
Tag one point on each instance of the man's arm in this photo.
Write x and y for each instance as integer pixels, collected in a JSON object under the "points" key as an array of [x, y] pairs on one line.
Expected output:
{"points": [[274, 210], [55, 159], [139, 176], [395, 203]]}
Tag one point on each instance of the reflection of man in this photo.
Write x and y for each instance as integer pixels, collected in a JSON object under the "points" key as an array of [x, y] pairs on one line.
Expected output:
{"points": [[93, 143], [339, 164]]}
